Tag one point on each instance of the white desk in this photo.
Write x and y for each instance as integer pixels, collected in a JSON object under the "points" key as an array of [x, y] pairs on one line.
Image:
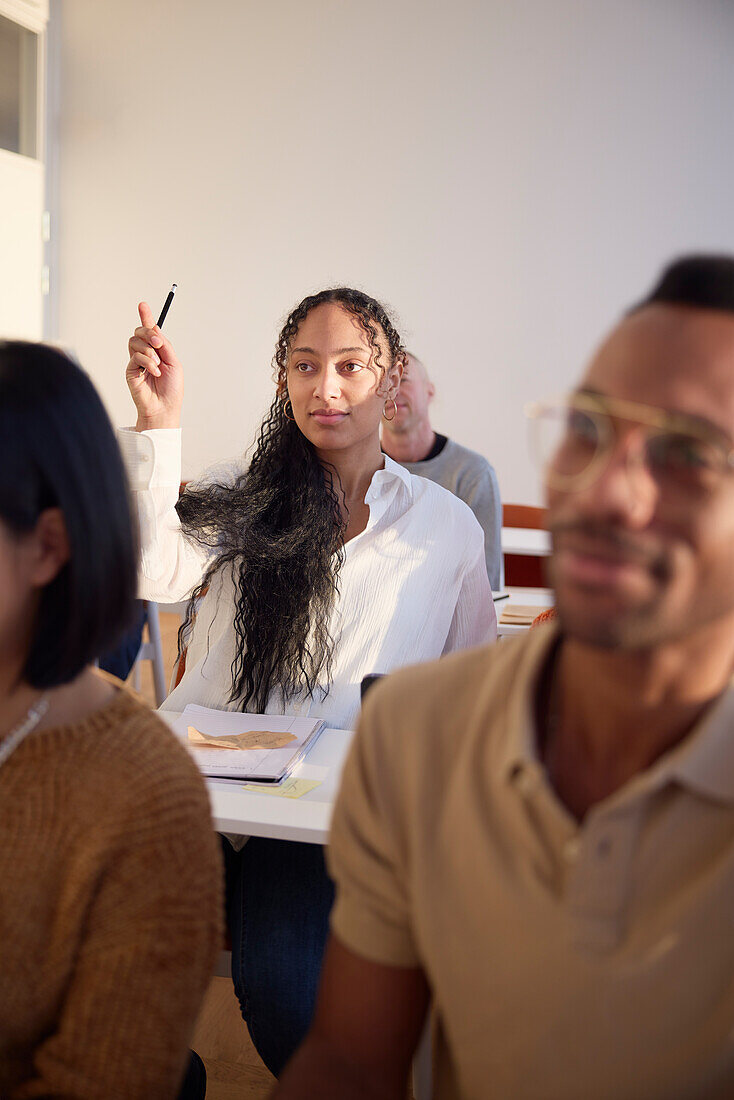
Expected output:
{"points": [[307, 818], [526, 540], [528, 597]]}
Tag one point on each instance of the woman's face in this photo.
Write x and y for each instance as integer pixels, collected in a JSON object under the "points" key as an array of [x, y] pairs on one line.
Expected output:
{"points": [[336, 391]]}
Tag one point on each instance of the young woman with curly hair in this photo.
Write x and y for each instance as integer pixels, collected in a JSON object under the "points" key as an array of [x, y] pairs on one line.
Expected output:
{"points": [[315, 563]]}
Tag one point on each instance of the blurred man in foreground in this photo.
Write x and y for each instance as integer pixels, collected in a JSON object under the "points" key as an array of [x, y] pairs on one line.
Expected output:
{"points": [[539, 835]]}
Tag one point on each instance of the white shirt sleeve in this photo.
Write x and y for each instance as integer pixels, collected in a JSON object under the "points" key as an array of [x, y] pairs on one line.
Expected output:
{"points": [[474, 621], [171, 565]]}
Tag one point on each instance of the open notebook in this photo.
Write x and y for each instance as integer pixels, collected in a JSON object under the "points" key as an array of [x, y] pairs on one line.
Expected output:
{"points": [[208, 732]]}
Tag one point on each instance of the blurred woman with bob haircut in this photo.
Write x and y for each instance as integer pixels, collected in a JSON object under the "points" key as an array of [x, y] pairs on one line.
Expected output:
{"points": [[109, 912]]}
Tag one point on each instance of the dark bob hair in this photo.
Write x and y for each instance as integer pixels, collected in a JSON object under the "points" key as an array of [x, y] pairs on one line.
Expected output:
{"points": [[58, 450]]}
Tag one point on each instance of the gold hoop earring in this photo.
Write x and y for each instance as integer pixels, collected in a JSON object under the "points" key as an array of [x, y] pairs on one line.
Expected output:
{"points": [[394, 410], [285, 410]]}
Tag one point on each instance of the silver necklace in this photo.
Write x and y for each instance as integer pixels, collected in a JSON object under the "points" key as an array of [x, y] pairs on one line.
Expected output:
{"points": [[19, 732]]}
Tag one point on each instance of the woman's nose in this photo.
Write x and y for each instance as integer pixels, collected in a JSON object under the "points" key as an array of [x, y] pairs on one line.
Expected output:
{"points": [[327, 384]]}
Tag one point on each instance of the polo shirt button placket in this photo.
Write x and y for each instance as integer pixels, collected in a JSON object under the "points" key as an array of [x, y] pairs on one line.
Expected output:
{"points": [[604, 847], [529, 784], [598, 882], [571, 849], [525, 782]]}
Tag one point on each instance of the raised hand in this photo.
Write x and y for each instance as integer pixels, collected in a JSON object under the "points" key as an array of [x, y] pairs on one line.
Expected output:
{"points": [[154, 375]]}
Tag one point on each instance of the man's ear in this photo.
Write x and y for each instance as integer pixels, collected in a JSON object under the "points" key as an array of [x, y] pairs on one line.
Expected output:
{"points": [[50, 550], [394, 377], [430, 390]]}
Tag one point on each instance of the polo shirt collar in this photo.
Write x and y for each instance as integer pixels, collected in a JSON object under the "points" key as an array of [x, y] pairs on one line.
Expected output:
{"points": [[702, 762], [520, 752]]}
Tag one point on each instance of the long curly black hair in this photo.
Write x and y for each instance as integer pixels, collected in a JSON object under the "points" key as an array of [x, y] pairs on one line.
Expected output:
{"points": [[280, 529]]}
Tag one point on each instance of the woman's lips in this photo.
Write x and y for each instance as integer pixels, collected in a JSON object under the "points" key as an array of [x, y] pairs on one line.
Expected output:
{"points": [[324, 417]]}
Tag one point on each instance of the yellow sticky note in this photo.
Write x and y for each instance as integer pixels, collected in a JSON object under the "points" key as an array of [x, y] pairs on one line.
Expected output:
{"points": [[289, 788]]}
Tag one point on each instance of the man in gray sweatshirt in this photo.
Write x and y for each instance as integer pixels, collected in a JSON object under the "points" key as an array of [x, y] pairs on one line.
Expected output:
{"points": [[411, 441]]}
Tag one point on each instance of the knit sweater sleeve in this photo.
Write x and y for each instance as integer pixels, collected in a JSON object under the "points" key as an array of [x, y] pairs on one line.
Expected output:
{"points": [[151, 934]]}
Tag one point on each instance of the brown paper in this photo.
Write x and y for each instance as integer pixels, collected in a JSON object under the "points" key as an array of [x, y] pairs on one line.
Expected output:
{"points": [[248, 739], [520, 614]]}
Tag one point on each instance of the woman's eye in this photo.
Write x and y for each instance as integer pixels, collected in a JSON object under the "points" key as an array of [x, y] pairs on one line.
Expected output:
{"points": [[352, 368], [304, 368]]}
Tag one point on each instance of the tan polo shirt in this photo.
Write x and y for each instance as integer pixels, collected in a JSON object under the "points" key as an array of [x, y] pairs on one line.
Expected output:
{"points": [[567, 961]]}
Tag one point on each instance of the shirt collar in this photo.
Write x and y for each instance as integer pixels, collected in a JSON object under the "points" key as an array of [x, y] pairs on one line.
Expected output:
{"points": [[520, 752], [387, 478], [703, 762]]}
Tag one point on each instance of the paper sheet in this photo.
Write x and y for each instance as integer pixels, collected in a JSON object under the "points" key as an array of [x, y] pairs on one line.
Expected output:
{"points": [[248, 739]]}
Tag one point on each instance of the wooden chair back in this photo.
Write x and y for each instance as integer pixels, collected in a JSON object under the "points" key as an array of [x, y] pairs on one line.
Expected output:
{"points": [[523, 570]]}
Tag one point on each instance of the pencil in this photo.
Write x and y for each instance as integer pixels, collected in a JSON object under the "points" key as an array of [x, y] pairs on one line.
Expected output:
{"points": [[164, 311], [167, 305]]}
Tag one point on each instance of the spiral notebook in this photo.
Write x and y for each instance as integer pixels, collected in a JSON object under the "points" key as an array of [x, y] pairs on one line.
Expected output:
{"points": [[207, 734]]}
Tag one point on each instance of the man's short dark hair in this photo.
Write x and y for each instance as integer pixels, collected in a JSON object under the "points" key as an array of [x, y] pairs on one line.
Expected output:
{"points": [[701, 281], [58, 450]]}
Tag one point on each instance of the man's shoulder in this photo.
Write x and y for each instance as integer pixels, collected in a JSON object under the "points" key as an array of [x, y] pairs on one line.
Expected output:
{"points": [[430, 493], [418, 687], [469, 461], [464, 454], [428, 729], [439, 700]]}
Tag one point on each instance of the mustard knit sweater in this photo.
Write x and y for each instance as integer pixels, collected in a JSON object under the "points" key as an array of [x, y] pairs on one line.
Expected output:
{"points": [[110, 908]]}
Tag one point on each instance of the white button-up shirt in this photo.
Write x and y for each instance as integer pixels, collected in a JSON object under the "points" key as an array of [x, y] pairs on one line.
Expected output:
{"points": [[412, 587]]}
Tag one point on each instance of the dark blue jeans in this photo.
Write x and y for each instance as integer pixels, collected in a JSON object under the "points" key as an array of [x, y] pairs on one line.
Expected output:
{"points": [[121, 659], [193, 1086], [278, 901]]}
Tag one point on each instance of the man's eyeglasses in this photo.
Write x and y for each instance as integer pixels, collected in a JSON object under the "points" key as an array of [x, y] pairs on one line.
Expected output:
{"points": [[574, 438]]}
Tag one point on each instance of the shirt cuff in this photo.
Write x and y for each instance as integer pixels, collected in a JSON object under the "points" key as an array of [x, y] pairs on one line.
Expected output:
{"points": [[152, 459]]}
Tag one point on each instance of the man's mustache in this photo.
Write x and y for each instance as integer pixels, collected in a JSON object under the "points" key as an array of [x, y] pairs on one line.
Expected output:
{"points": [[607, 536]]}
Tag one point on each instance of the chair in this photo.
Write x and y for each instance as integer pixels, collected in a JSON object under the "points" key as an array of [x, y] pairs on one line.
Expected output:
{"points": [[179, 668], [524, 570], [367, 682], [152, 651]]}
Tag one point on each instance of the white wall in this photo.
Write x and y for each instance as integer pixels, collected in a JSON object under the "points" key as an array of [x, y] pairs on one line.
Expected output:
{"points": [[21, 174], [507, 176], [21, 247]]}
